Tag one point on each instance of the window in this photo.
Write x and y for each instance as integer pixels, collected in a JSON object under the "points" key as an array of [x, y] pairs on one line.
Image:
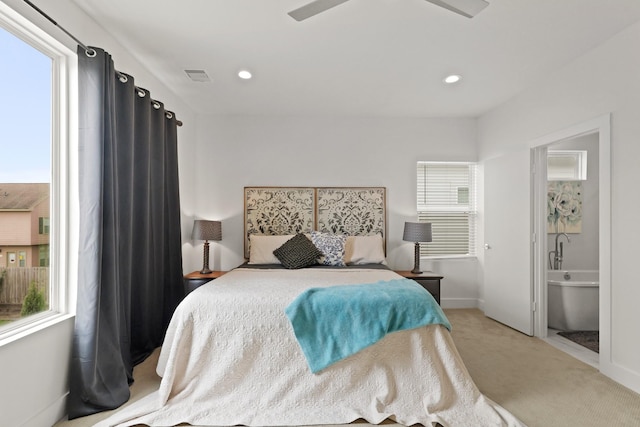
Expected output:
{"points": [[22, 259], [566, 165], [43, 256], [35, 82], [447, 199], [43, 225]]}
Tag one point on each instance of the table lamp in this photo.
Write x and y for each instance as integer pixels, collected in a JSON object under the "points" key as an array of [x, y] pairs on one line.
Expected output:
{"points": [[417, 232], [206, 230]]}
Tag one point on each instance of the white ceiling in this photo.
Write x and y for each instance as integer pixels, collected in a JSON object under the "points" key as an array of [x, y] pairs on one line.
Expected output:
{"points": [[362, 58]]}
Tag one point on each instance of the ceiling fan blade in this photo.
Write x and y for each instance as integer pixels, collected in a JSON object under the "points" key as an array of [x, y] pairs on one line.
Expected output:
{"points": [[468, 8], [313, 8]]}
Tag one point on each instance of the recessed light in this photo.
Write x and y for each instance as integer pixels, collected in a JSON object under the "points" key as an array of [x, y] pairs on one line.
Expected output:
{"points": [[244, 74], [453, 78]]}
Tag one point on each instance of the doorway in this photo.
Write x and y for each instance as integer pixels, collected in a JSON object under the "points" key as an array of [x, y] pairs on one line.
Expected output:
{"points": [[572, 246], [597, 130]]}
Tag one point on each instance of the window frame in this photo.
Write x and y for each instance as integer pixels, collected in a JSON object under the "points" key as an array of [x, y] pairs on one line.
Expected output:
{"points": [[63, 205], [573, 172], [471, 210], [44, 225]]}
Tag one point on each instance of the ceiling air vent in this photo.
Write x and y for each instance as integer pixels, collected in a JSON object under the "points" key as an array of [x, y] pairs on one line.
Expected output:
{"points": [[198, 75]]}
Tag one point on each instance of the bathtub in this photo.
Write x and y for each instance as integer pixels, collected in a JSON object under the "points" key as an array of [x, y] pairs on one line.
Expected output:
{"points": [[573, 297]]}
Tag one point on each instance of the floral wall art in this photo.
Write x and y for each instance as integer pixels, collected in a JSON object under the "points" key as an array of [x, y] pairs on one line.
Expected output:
{"points": [[564, 201]]}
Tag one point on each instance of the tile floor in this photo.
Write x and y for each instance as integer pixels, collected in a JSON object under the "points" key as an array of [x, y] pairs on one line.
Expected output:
{"points": [[576, 350]]}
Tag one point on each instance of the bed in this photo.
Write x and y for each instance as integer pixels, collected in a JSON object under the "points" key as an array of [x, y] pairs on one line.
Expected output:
{"points": [[245, 349]]}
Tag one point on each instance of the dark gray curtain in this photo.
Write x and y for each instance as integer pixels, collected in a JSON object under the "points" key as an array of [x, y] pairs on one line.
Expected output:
{"points": [[130, 263]]}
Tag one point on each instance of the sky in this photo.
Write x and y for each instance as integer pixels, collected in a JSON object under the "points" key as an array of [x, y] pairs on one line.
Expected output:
{"points": [[25, 112]]}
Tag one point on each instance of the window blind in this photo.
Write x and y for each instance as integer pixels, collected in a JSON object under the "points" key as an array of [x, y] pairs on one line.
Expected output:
{"points": [[446, 197]]}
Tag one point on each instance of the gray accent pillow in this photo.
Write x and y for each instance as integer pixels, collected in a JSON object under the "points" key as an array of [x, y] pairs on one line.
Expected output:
{"points": [[298, 252]]}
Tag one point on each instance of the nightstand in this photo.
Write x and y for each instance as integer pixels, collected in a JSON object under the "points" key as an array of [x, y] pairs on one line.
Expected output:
{"points": [[195, 279], [429, 280]]}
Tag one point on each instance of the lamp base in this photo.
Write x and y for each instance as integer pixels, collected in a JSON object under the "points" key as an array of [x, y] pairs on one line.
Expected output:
{"points": [[416, 259], [205, 259]]}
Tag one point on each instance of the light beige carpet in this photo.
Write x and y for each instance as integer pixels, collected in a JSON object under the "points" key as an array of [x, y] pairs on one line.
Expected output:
{"points": [[538, 383]]}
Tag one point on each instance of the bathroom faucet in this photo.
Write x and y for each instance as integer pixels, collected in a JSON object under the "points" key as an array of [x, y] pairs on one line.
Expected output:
{"points": [[558, 252]]}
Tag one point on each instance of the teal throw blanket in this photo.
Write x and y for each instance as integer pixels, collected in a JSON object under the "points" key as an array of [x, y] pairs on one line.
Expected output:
{"points": [[333, 323]]}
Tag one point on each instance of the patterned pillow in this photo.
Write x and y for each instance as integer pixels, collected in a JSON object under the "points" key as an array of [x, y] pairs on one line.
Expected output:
{"points": [[332, 247], [298, 252]]}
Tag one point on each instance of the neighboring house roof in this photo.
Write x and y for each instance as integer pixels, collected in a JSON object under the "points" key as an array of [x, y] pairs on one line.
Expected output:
{"points": [[22, 197]]}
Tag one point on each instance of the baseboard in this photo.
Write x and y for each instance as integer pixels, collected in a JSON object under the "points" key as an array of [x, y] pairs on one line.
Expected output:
{"points": [[621, 375], [458, 303], [49, 415]]}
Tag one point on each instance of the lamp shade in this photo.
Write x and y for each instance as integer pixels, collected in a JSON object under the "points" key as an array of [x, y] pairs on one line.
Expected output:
{"points": [[417, 232], [206, 230]]}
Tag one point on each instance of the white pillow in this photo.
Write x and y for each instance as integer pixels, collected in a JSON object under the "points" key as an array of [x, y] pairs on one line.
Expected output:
{"points": [[364, 250], [261, 248]]}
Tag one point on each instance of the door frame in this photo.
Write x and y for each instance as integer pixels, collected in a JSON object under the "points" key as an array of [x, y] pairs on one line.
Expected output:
{"points": [[602, 126]]}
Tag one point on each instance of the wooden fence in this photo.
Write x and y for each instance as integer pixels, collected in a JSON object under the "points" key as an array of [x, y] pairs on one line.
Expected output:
{"points": [[16, 282]]}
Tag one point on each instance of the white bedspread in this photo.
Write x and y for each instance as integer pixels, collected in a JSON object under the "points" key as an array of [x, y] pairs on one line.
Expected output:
{"points": [[230, 357]]}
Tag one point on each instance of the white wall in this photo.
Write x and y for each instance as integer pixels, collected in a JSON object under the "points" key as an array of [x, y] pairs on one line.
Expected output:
{"points": [[239, 151], [602, 81], [34, 369]]}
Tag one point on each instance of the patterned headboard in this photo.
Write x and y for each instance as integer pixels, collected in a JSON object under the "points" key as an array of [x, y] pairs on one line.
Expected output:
{"points": [[354, 211]]}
